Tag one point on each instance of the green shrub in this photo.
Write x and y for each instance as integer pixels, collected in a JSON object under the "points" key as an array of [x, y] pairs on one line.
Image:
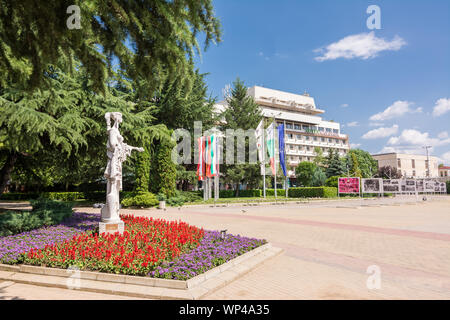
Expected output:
{"points": [[45, 212], [448, 187], [18, 196], [332, 181], [139, 199], [63, 196], [192, 196], [312, 192], [271, 192]]}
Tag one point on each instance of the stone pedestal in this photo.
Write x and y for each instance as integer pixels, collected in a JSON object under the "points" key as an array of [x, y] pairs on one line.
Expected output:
{"points": [[111, 227]]}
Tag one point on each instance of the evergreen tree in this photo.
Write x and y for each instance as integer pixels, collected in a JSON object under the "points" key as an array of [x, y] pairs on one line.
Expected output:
{"points": [[335, 166], [318, 177], [67, 123], [146, 37], [242, 112], [163, 171]]}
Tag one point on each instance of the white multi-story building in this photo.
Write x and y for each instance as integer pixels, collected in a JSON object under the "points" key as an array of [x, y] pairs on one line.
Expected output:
{"points": [[304, 126], [410, 165]]}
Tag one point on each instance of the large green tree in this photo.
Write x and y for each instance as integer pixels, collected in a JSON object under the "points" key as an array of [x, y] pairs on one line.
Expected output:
{"points": [[144, 38], [362, 163], [66, 123], [335, 165], [304, 173], [244, 113]]}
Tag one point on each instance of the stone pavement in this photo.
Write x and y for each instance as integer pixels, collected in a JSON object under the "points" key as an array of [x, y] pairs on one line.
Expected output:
{"points": [[328, 250]]}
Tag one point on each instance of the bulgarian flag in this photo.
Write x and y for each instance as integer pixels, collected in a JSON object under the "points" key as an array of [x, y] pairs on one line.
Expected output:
{"points": [[271, 146], [201, 158], [211, 156]]}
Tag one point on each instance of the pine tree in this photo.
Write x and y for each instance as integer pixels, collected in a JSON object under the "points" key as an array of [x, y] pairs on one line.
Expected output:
{"points": [[243, 113], [146, 38], [335, 166]]}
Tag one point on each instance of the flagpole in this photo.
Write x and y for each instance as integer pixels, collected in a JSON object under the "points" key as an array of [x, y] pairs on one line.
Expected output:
{"points": [[264, 159], [285, 162], [274, 161]]}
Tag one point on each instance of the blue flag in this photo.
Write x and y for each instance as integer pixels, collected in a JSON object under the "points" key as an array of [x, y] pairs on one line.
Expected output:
{"points": [[281, 150]]}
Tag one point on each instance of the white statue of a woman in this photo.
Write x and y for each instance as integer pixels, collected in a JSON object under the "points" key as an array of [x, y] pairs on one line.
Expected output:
{"points": [[117, 152]]}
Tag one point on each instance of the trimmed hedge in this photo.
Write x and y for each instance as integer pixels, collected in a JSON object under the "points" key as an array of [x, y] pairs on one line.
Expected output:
{"points": [[312, 192], [63, 196], [45, 213], [139, 199], [271, 192], [18, 196], [242, 193]]}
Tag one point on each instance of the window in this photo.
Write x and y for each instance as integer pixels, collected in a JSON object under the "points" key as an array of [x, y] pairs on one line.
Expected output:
{"points": [[291, 136], [399, 163], [288, 125], [307, 138], [297, 127], [321, 129], [299, 137], [307, 148], [414, 173], [413, 163], [330, 140], [315, 138], [322, 139], [328, 129], [336, 131]]}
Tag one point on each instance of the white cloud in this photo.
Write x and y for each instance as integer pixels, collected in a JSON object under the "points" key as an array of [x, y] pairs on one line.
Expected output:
{"points": [[446, 157], [344, 105], [381, 132], [442, 106], [443, 135], [397, 109], [411, 137], [363, 46], [355, 145], [376, 124], [353, 124]]}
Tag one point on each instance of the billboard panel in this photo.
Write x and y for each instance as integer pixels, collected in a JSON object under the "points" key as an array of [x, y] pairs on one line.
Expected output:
{"points": [[374, 185], [392, 185], [408, 185], [348, 185], [420, 185]]}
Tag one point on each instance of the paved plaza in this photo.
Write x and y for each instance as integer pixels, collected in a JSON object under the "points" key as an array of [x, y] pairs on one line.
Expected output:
{"points": [[328, 248]]}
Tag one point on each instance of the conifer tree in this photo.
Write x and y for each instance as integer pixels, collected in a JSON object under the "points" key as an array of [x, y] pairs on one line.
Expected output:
{"points": [[145, 38], [67, 121]]}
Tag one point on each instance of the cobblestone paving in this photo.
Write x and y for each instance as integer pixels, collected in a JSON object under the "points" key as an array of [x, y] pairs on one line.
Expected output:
{"points": [[328, 249]]}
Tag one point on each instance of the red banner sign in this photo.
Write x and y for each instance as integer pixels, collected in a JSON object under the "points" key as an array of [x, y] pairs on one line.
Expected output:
{"points": [[348, 185]]}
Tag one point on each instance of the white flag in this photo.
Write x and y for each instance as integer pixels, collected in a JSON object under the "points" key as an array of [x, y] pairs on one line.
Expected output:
{"points": [[259, 134]]}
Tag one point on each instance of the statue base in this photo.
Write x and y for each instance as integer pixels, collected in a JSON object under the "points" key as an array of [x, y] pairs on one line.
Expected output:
{"points": [[111, 227]]}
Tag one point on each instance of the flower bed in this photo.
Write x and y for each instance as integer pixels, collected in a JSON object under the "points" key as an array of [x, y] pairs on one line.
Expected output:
{"points": [[11, 247], [148, 247], [212, 252]]}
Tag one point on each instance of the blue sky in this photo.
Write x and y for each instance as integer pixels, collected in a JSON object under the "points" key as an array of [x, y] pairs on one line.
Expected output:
{"points": [[390, 88]]}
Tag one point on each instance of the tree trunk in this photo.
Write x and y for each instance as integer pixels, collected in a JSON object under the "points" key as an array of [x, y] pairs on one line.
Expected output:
{"points": [[5, 173]]}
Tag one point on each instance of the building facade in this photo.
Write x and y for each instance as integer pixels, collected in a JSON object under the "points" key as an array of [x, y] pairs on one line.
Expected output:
{"points": [[444, 171], [410, 165], [304, 126]]}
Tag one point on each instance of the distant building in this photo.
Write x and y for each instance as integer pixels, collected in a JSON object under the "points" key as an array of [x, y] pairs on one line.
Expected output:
{"points": [[410, 165], [444, 171], [305, 128]]}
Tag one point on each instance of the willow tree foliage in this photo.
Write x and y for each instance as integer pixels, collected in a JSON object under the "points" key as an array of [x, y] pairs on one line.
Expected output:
{"points": [[143, 38]]}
